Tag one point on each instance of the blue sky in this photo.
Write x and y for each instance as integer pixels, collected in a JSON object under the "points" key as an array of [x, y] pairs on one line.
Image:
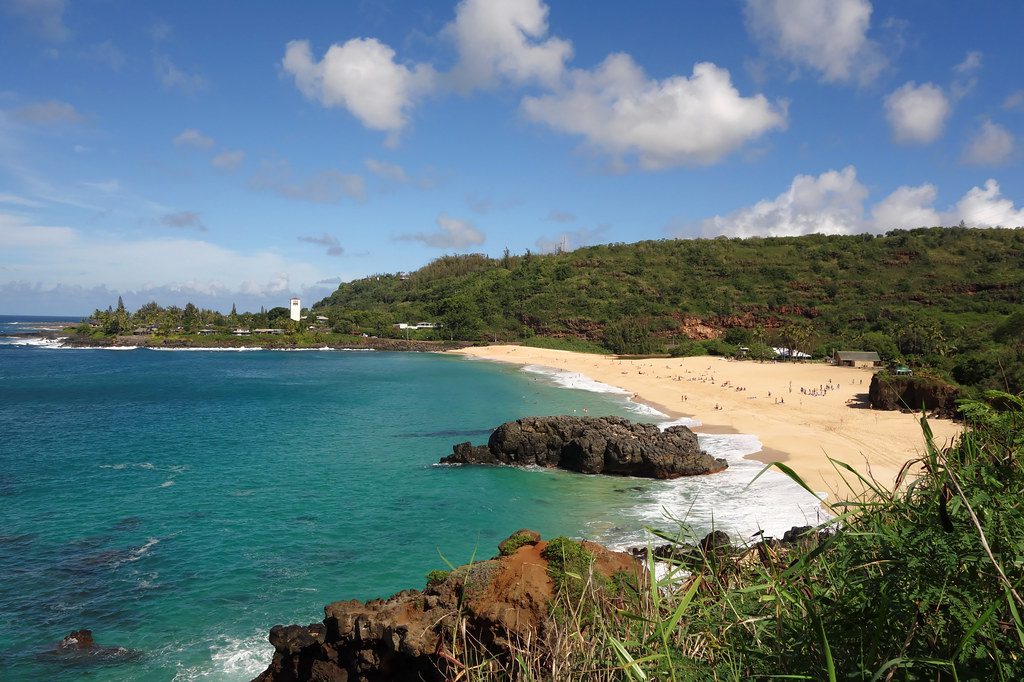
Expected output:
{"points": [[243, 152]]}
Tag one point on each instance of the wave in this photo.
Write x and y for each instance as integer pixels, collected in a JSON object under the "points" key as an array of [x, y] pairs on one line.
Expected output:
{"points": [[574, 380], [205, 349], [37, 342], [724, 501], [232, 658]]}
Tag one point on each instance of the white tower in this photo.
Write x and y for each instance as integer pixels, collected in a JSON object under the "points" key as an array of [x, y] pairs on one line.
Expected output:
{"points": [[296, 309]]}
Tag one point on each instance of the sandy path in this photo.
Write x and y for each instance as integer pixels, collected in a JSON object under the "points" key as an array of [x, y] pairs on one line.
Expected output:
{"points": [[802, 413]]}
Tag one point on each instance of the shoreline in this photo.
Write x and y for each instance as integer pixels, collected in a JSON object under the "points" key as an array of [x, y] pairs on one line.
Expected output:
{"points": [[727, 396]]}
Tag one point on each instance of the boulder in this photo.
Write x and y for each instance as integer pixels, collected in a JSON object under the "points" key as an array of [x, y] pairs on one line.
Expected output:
{"points": [[592, 445], [500, 604]]}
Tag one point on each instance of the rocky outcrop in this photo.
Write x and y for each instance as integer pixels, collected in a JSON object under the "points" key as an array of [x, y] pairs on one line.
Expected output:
{"points": [[498, 603], [79, 648], [910, 393], [592, 445]]}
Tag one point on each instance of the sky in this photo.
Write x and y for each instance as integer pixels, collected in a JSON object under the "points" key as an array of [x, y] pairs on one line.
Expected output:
{"points": [[243, 152]]}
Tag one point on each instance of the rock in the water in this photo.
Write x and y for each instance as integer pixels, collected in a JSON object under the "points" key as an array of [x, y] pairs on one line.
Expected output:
{"points": [[79, 648], [592, 445], [79, 639]]}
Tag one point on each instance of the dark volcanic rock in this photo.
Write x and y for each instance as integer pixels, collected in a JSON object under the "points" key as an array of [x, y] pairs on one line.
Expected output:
{"points": [[911, 393], [79, 649], [592, 445], [500, 604]]}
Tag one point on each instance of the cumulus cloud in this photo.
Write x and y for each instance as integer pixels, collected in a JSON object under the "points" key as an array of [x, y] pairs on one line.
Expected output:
{"points": [[330, 243], [44, 17], [616, 108], [48, 113], [907, 207], [833, 203], [325, 187], [991, 145], [571, 239], [678, 120], [183, 220], [827, 36], [452, 233], [361, 76], [229, 160], [391, 171], [190, 137], [916, 113], [559, 216], [505, 41]]}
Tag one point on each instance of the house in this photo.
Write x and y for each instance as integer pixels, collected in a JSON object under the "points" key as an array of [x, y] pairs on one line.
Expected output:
{"points": [[904, 371], [856, 358], [268, 331], [241, 332], [206, 332]]}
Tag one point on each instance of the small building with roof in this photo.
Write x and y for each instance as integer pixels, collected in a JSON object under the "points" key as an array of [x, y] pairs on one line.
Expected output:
{"points": [[856, 358]]}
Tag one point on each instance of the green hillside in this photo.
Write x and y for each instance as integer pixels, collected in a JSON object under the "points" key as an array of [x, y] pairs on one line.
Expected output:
{"points": [[928, 296]]}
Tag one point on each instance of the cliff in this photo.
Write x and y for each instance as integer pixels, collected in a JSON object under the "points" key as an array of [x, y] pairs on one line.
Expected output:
{"points": [[592, 445]]}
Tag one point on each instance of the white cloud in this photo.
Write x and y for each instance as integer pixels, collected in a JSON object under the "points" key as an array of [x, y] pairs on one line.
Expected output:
{"points": [[678, 120], [229, 160], [44, 17], [452, 234], [505, 40], [7, 198], [112, 186], [391, 171], [828, 36], [48, 112], [361, 76], [965, 75], [560, 216], [916, 113], [106, 53], [907, 207], [987, 208], [1014, 101], [190, 137], [18, 231], [991, 145], [325, 187], [174, 78], [831, 203]]}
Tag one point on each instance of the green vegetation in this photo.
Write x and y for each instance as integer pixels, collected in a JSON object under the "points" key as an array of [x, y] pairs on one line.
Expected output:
{"points": [[920, 584], [509, 546], [938, 297], [436, 577]]}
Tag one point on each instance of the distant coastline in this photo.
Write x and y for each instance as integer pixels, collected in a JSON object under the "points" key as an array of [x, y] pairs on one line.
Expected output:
{"points": [[269, 342]]}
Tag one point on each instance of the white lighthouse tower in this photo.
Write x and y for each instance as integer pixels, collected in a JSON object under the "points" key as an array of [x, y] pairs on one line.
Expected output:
{"points": [[296, 310]]}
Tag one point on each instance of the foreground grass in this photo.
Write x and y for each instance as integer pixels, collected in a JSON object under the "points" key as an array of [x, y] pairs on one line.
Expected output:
{"points": [[921, 584]]}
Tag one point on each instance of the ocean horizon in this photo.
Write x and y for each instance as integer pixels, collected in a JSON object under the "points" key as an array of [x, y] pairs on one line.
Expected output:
{"points": [[179, 504]]}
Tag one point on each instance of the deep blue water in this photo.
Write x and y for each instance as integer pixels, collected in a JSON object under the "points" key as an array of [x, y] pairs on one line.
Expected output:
{"points": [[179, 504]]}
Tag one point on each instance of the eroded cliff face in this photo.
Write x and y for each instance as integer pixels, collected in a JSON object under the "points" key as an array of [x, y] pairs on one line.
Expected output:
{"points": [[592, 445], [498, 604], [910, 394]]}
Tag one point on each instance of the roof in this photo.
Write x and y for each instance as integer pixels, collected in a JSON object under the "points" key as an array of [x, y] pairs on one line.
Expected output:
{"points": [[863, 356]]}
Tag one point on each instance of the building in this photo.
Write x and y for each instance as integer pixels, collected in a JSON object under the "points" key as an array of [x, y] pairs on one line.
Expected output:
{"points": [[417, 325], [791, 354], [856, 358], [296, 309]]}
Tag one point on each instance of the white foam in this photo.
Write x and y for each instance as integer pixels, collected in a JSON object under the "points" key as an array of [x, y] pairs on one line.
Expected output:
{"points": [[575, 380], [37, 342], [688, 422], [232, 658], [723, 501], [167, 484]]}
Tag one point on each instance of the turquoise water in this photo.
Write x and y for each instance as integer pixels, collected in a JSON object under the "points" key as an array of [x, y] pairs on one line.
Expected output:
{"points": [[179, 504]]}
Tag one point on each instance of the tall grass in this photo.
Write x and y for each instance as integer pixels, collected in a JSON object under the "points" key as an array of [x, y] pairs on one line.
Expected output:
{"points": [[920, 583]]}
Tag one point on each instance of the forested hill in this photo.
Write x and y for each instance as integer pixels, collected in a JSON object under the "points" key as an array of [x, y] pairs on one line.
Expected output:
{"points": [[926, 293]]}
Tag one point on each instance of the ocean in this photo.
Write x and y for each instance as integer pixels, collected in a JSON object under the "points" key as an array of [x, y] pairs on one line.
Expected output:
{"points": [[180, 503]]}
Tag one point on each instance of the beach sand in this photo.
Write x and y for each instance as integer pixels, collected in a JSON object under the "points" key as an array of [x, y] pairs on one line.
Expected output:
{"points": [[829, 418]]}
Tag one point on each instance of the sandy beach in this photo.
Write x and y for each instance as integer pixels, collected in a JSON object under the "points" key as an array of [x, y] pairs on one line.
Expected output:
{"points": [[803, 413]]}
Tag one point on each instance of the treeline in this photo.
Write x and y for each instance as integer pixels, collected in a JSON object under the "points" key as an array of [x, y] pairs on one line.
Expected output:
{"points": [[167, 320], [930, 297]]}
